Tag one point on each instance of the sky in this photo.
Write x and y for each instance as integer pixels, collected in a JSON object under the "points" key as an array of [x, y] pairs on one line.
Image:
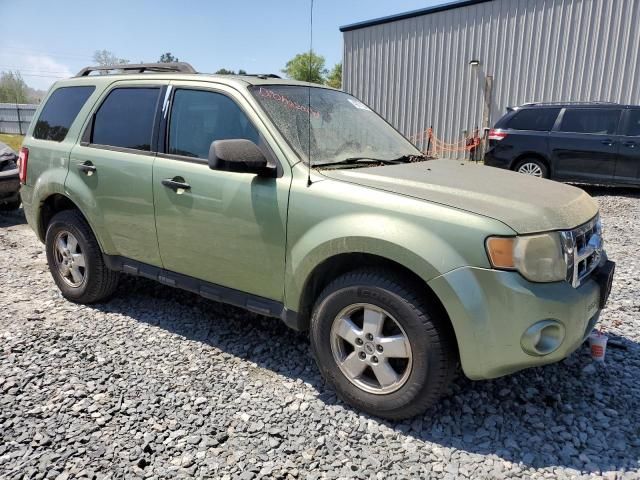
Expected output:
{"points": [[56, 39]]}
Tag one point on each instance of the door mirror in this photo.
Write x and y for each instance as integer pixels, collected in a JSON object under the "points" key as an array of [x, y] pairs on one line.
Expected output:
{"points": [[238, 155]]}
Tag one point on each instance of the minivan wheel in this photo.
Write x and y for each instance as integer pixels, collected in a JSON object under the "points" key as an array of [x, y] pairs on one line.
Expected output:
{"points": [[533, 167], [382, 347], [75, 259]]}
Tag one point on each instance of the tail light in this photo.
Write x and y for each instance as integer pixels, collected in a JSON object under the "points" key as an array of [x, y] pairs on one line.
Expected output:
{"points": [[23, 159], [495, 134]]}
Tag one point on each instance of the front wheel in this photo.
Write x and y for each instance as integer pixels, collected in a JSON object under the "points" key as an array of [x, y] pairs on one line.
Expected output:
{"points": [[75, 259], [382, 347]]}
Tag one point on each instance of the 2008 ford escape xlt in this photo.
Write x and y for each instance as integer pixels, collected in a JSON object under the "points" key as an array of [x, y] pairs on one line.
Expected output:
{"points": [[400, 268]]}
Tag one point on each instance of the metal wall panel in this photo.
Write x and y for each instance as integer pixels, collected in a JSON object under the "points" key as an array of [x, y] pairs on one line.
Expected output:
{"points": [[416, 73], [9, 117]]}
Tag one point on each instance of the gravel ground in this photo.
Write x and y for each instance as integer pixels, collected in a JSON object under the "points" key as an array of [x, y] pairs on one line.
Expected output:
{"points": [[160, 383]]}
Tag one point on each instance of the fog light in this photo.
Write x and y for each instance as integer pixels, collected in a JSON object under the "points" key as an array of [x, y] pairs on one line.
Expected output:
{"points": [[543, 338]]}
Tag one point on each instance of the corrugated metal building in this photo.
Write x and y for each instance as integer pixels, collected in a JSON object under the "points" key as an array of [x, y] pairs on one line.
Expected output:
{"points": [[15, 117], [459, 65]]}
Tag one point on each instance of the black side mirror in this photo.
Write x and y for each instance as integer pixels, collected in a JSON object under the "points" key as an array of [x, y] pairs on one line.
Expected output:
{"points": [[238, 155]]}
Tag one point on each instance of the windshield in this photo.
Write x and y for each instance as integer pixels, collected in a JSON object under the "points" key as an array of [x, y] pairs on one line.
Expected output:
{"points": [[342, 127]]}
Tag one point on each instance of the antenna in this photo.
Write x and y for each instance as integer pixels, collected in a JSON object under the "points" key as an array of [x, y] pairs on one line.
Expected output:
{"points": [[309, 89]]}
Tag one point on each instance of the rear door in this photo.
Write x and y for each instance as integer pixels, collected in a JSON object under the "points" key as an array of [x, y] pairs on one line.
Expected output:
{"points": [[110, 171], [628, 165], [584, 147]]}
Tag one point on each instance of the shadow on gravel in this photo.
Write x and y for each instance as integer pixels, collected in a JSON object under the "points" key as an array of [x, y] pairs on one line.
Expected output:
{"points": [[598, 191], [12, 218], [559, 415]]}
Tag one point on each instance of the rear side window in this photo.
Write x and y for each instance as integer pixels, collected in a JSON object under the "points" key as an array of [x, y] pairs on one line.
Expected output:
{"points": [[537, 119], [601, 121], [633, 124], [199, 117], [125, 118], [60, 111]]}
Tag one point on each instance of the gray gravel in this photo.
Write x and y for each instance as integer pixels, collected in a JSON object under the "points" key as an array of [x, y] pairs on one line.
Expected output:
{"points": [[160, 383]]}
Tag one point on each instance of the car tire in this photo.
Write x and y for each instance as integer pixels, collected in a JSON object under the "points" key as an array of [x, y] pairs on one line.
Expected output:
{"points": [[75, 259], [422, 377], [533, 167]]}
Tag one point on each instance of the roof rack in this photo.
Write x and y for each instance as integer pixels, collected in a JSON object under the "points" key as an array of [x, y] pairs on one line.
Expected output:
{"points": [[597, 102], [175, 67], [257, 75], [262, 75]]}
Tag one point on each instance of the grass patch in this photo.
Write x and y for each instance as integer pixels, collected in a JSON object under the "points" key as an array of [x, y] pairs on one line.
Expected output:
{"points": [[14, 141]]}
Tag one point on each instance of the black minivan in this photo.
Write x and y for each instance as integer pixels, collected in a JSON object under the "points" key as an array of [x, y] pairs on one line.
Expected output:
{"points": [[594, 142]]}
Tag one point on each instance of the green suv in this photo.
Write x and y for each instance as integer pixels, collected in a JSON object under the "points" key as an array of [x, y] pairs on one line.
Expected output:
{"points": [[299, 202]]}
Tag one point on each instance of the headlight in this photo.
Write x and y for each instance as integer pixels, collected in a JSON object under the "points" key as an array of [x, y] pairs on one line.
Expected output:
{"points": [[539, 258]]}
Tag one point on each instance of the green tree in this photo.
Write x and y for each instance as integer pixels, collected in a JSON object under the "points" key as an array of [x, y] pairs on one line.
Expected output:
{"points": [[307, 67], [168, 58], [13, 89], [224, 71], [105, 57], [334, 79]]}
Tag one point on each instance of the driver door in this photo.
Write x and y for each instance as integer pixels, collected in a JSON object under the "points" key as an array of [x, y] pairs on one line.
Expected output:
{"points": [[226, 228]]}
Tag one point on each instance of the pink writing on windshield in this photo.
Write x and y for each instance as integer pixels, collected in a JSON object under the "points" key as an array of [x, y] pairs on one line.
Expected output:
{"points": [[270, 94]]}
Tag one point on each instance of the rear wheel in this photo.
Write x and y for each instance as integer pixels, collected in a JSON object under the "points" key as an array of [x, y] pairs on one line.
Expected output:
{"points": [[533, 167], [382, 347], [75, 259]]}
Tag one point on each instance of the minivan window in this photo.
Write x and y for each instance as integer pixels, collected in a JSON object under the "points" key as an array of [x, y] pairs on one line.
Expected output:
{"points": [[60, 111], [603, 121], [633, 124], [125, 118], [536, 119], [199, 117]]}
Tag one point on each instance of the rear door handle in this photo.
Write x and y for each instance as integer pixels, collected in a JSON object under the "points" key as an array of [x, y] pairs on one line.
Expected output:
{"points": [[607, 142], [87, 168], [630, 144], [177, 184]]}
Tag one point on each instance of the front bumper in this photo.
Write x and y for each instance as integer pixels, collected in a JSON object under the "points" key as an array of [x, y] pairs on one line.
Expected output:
{"points": [[491, 310]]}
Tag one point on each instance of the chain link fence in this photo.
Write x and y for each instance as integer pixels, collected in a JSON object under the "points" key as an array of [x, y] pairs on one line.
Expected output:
{"points": [[15, 117]]}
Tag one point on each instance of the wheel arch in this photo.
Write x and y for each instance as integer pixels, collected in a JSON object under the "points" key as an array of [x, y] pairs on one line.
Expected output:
{"points": [[53, 204], [332, 267]]}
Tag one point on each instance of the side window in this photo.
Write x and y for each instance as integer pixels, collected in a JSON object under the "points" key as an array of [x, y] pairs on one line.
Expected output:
{"points": [[60, 111], [537, 119], [602, 121], [199, 117], [125, 118], [633, 124]]}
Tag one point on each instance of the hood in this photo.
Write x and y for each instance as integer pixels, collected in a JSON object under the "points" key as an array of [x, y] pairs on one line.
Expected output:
{"points": [[524, 203]]}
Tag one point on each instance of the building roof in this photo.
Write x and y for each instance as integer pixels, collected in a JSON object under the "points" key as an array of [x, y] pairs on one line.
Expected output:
{"points": [[413, 13]]}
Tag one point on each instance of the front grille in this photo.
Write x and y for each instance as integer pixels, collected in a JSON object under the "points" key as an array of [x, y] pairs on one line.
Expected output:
{"points": [[583, 250]]}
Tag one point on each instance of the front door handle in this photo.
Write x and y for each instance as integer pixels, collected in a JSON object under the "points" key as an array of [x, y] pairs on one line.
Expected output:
{"points": [[630, 144], [87, 168], [177, 184], [608, 142]]}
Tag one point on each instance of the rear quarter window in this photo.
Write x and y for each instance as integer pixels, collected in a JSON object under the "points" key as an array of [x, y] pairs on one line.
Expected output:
{"points": [[535, 119], [60, 111]]}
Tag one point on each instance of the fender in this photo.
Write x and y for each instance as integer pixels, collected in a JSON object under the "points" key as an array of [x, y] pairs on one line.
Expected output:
{"points": [[415, 247]]}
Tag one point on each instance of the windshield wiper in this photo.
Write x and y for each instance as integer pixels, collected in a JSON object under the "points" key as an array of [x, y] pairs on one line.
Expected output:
{"points": [[358, 160]]}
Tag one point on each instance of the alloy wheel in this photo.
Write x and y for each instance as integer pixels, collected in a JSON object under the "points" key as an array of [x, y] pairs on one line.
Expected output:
{"points": [[70, 260], [530, 168], [371, 348]]}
